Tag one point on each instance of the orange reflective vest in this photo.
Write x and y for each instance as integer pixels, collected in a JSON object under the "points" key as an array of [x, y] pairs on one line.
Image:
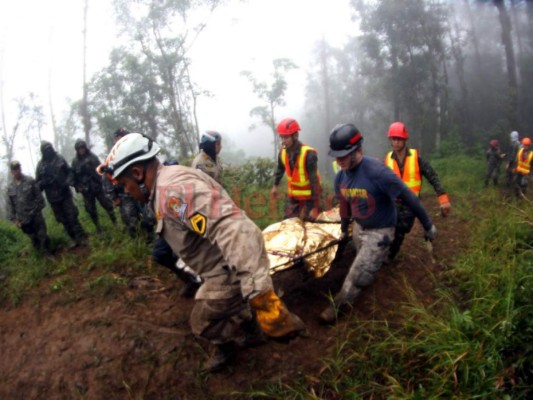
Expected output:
{"points": [[299, 185], [523, 166], [411, 170]]}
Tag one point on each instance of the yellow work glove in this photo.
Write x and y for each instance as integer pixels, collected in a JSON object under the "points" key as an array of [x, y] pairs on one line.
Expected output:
{"points": [[273, 316]]}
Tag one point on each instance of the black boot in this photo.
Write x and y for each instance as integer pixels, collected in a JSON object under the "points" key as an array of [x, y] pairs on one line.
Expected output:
{"points": [[113, 217], [222, 355], [253, 335]]}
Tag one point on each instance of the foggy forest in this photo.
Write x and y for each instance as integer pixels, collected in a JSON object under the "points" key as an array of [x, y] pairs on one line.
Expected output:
{"points": [[458, 73], [95, 304]]}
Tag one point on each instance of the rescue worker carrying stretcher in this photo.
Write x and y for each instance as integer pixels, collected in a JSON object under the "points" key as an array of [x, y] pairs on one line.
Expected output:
{"points": [[300, 163], [410, 167], [214, 237], [367, 191]]}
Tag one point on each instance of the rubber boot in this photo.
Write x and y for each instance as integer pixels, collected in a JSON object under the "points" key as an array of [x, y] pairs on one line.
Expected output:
{"points": [[340, 306], [222, 355], [330, 315], [253, 335], [96, 223]]}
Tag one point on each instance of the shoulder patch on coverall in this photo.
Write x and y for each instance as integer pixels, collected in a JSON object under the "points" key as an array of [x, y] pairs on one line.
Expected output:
{"points": [[177, 207], [198, 223]]}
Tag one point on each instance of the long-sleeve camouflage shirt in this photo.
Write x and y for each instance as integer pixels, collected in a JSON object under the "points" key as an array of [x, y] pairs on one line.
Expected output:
{"points": [[54, 176], [85, 177], [24, 199]]}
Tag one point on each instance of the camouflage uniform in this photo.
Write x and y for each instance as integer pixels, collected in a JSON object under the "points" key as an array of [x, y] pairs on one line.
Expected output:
{"points": [[162, 254], [203, 162], [89, 183], [494, 160], [25, 204], [200, 222], [406, 218], [132, 213], [54, 176]]}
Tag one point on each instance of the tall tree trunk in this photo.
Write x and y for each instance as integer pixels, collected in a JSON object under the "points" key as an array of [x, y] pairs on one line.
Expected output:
{"points": [[51, 107], [475, 39], [84, 107], [459, 62], [325, 84], [507, 42]]}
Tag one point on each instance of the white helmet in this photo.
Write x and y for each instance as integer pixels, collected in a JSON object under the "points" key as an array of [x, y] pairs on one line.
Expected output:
{"points": [[514, 136], [129, 150]]}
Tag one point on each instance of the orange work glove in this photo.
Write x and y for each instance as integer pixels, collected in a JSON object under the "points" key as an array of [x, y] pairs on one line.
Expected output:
{"points": [[445, 206]]}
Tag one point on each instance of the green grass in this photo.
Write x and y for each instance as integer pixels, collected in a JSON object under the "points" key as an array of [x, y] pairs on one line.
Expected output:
{"points": [[473, 341], [113, 254]]}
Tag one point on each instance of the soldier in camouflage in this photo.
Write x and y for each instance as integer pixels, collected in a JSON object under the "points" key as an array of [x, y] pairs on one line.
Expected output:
{"points": [[132, 212], [55, 177], [494, 158], [89, 183], [206, 160], [25, 204]]}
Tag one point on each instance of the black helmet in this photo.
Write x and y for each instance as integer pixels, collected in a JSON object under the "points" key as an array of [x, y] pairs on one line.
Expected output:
{"points": [[344, 139], [121, 132], [13, 165], [47, 150], [45, 145], [79, 144], [210, 136]]}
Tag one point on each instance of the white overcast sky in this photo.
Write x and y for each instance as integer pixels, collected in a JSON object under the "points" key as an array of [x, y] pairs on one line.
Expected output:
{"points": [[38, 36]]}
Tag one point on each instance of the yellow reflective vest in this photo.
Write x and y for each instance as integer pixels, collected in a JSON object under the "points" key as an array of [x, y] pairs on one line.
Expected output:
{"points": [[335, 166], [299, 185], [523, 166], [411, 170]]}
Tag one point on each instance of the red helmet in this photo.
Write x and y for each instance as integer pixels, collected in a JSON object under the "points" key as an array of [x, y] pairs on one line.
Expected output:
{"points": [[398, 130], [526, 141], [288, 126], [494, 143]]}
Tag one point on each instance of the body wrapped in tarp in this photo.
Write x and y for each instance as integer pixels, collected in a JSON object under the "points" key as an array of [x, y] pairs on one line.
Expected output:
{"points": [[293, 240]]}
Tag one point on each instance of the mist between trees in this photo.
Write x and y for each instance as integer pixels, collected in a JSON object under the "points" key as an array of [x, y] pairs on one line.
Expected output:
{"points": [[457, 73]]}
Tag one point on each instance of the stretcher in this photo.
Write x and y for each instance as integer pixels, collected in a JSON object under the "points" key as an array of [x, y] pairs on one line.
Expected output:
{"points": [[313, 243]]}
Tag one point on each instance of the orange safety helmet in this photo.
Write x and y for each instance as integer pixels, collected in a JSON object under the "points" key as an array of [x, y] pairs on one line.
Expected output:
{"points": [[526, 141], [398, 130], [288, 126]]}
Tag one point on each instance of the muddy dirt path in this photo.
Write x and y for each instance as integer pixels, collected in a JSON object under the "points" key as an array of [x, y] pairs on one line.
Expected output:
{"points": [[136, 342]]}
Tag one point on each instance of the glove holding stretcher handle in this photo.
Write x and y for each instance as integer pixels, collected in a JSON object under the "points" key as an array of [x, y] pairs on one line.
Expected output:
{"points": [[273, 316], [431, 233]]}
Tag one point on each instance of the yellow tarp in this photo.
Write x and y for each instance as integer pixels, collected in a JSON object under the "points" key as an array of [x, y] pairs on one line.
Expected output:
{"points": [[292, 240]]}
